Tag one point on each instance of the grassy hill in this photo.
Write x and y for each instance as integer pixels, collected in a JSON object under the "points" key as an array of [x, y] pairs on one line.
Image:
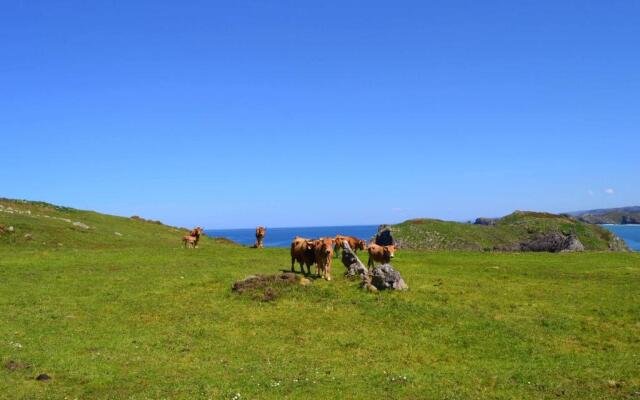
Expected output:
{"points": [[506, 234], [137, 317], [39, 225]]}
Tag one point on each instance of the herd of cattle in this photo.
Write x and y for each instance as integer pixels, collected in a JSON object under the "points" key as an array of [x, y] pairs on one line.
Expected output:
{"points": [[313, 251], [321, 251]]}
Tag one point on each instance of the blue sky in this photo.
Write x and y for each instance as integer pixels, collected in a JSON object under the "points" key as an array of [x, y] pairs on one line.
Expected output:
{"points": [[289, 113]]}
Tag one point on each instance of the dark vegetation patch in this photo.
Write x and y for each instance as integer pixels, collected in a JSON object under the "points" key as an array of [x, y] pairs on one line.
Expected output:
{"points": [[43, 377], [151, 221], [266, 287], [223, 240]]}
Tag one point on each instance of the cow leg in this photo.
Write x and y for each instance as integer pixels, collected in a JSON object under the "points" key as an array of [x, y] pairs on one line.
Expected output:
{"points": [[370, 262]]}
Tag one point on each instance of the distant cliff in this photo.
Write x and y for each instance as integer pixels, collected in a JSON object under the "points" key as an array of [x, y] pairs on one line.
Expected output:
{"points": [[519, 231], [622, 215]]}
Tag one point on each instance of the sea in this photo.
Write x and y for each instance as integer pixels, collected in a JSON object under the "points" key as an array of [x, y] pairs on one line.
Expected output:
{"points": [[282, 237], [628, 233]]}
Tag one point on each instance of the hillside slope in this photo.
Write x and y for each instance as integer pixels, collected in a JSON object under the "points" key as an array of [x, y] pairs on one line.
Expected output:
{"points": [[41, 225], [507, 233], [621, 215]]}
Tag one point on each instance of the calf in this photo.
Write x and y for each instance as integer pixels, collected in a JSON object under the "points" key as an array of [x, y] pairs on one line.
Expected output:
{"points": [[324, 256], [189, 242], [380, 254], [303, 251], [355, 243]]}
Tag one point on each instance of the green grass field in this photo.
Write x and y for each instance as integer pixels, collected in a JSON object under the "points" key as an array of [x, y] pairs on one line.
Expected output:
{"points": [[146, 319]]}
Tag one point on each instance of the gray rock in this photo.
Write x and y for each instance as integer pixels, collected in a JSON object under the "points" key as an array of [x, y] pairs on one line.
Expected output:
{"points": [[553, 242], [385, 277], [352, 263], [617, 244], [572, 244]]}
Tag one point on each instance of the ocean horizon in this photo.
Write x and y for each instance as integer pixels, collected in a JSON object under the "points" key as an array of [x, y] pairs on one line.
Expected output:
{"points": [[282, 237]]}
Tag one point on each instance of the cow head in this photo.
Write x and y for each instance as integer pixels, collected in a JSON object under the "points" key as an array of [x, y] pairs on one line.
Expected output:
{"points": [[361, 245], [310, 245], [325, 245], [389, 251]]}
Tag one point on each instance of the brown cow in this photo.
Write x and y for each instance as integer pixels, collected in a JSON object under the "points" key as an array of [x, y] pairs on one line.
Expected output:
{"points": [[324, 256], [381, 254], [197, 232], [303, 251], [355, 243], [260, 232]]}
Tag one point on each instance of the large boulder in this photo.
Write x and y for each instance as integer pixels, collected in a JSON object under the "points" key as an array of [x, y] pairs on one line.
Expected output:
{"points": [[385, 277], [352, 263]]}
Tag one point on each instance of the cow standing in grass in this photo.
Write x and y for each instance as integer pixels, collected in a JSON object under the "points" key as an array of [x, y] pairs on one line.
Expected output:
{"points": [[355, 243], [260, 233], [303, 252], [324, 256], [191, 240], [380, 254]]}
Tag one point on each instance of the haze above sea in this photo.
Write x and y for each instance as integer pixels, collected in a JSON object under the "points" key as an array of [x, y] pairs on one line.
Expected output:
{"points": [[282, 237]]}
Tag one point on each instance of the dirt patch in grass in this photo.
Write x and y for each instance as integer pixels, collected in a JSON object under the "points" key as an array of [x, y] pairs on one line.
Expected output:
{"points": [[43, 377], [16, 365]]}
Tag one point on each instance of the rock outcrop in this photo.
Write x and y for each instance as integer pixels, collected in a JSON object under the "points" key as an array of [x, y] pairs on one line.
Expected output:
{"points": [[385, 277], [553, 242], [617, 244], [630, 219], [572, 244], [485, 221], [352, 263]]}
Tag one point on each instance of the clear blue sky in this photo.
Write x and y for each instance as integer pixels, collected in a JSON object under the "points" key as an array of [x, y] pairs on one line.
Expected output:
{"points": [[290, 113]]}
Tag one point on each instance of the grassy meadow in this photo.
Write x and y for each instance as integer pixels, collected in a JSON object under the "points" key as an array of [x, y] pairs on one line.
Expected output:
{"points": [[146, 319]]}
